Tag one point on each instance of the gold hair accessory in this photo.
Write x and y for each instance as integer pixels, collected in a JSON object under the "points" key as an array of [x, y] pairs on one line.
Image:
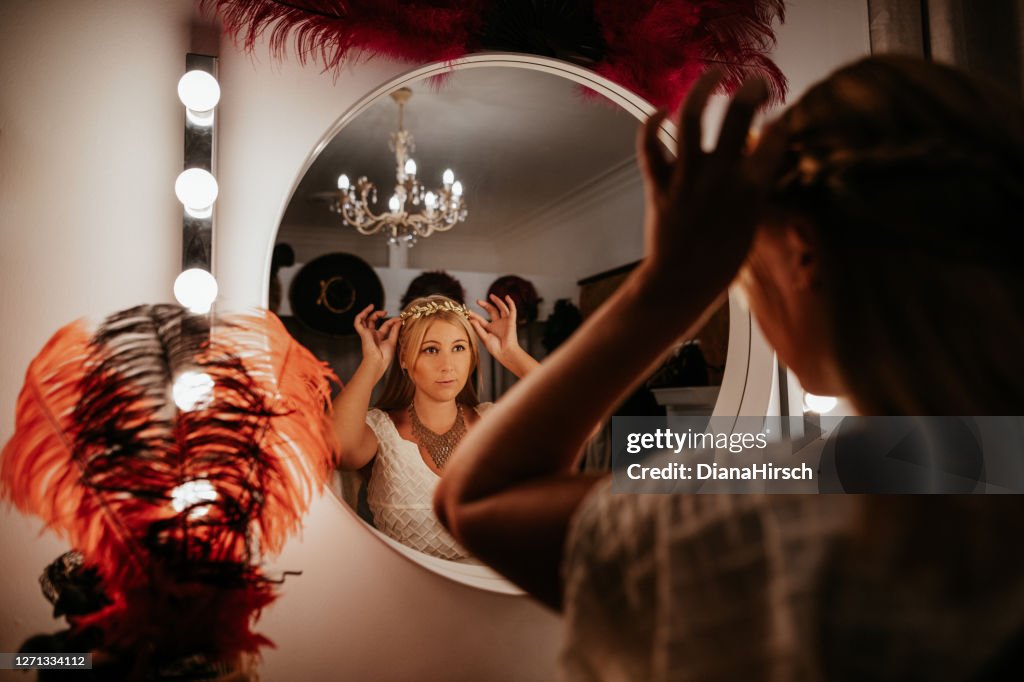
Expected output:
{"points": [[433, 308]]}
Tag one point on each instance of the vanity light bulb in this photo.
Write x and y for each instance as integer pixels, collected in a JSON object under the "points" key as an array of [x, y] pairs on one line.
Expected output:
{"points": [[200, 213], [819, 404], [198, 90], [393, 204], [430, 200], [448, 177], [196, 289], [457, 189], [202, 119], [410, 167], [192, 390], [196, 188], [343, 182], [193, 492]]}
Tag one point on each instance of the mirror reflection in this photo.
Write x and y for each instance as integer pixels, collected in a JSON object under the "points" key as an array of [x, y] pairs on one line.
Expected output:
{"points": [[532, 189]]}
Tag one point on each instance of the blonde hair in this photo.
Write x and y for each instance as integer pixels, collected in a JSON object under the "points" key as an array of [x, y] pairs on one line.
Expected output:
{"points": [[398, 388]]}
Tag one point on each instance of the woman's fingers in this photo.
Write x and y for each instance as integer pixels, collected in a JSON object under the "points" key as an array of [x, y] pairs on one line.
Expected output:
{"points": [[653, 163], [491, 310], [360, 318], [690, 127], [766, 158], [511, 309], [475, 317], [736, 127], [389, 330], [480, 330], [500, 305]]}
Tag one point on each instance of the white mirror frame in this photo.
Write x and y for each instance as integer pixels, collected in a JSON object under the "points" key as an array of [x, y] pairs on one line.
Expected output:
{"points": [[747, 381]]}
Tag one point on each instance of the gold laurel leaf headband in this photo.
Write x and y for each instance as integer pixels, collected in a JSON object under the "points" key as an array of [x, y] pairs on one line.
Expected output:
{"points": [[434, 307]]}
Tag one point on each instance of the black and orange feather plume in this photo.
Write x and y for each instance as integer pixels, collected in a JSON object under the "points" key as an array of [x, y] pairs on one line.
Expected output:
{"points": [[102, 454]]}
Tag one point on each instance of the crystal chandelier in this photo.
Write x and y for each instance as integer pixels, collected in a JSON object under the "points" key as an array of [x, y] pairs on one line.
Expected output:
{"points": [[413, 211]]}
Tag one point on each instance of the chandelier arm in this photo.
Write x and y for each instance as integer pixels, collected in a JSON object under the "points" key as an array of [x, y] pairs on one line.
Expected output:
{"points": [[357, 212]]}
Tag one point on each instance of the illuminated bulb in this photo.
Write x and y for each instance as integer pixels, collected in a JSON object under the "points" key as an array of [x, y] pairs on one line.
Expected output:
{"points": [[819, 404], [193, 390], [430, 200], [393, 204], [203, 119], [196, 188], [448, 177], [200, 213], [193, 492], [343, 182], [199, 91], [457, 188], [410, 167], [196, 289]]}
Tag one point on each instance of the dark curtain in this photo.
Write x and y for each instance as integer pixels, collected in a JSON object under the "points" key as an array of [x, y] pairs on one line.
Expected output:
{"points": [[983, 37]]}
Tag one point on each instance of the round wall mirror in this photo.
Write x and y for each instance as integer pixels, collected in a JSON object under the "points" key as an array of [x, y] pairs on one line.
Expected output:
{"points": [[525, 169]]}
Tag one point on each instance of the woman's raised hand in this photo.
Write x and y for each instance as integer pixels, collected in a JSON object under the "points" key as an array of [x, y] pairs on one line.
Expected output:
{"points": [[378, 344], [499, 333], [702, 207]]}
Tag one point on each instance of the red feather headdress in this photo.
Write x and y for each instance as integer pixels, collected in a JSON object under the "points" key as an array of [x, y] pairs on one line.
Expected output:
{"points": [[104, 456], [657, 48]]}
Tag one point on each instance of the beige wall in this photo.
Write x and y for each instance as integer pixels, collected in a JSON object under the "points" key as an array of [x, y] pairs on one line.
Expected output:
{"points": [[90, 144]]}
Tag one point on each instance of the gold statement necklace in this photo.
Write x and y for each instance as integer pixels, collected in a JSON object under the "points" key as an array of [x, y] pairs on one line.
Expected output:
{"points": [[439, 446]]}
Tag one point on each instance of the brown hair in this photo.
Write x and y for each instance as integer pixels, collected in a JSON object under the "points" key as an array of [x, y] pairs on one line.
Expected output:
{"points": [[908, 174], [398, 389]]}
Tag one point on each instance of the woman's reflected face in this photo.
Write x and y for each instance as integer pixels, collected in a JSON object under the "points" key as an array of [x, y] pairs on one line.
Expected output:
{"points": [[443, 362]]}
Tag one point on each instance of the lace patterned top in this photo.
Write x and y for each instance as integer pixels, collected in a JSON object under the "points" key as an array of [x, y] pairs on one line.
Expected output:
{"points": [[401, 491], [751, 587]]}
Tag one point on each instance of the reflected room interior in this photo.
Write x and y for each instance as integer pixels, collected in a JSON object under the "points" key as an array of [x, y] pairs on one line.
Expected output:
{"points": [[549, 191]]}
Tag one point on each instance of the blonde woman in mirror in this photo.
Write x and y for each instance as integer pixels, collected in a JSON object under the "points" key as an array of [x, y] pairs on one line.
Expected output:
{"points": [[427, 404]]}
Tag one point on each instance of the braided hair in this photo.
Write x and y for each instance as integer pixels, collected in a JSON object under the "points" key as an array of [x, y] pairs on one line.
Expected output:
{"points": [[911, 176]]}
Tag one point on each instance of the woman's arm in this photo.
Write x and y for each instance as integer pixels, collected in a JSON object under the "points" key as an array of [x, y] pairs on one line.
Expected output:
{"points": [[355, 442], [500, 336], [510, 494]]}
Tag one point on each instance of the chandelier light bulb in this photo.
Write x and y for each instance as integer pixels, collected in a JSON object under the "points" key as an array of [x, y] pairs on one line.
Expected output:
{"points": [[448, 177], [819, 404], [343, 182], [199, 91], [430, 200], [457, 188], [393, 204], [196, 289], [191, 493], [410, 167], [196, 188], [192, 390]]}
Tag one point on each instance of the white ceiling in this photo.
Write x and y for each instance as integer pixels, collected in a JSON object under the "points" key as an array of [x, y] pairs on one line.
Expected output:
{"points": [[521, 141]]}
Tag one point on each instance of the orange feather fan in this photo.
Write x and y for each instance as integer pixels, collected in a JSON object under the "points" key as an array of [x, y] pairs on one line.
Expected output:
{"points": [[174, 507]]}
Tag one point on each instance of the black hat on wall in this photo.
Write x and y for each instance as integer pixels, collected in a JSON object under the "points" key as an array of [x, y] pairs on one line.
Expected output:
{"points": [[329, 291]]}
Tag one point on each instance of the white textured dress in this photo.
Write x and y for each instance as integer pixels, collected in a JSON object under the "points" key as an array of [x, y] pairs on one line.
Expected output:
{"points": [[400, 493]]}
